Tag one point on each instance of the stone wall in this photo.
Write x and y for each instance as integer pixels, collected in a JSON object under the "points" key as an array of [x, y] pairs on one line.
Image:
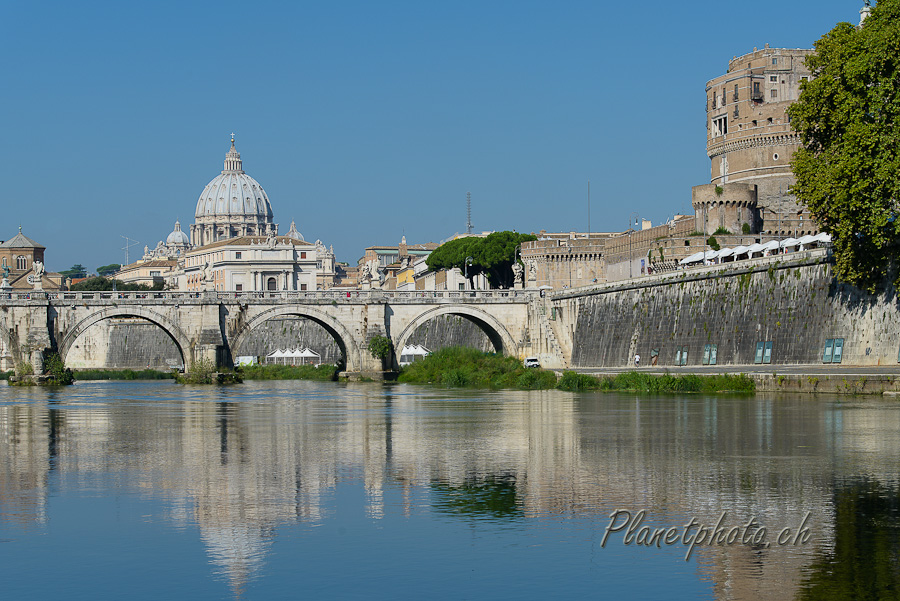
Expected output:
{"points": [[794, 302], [124, 343], [449, 330]]}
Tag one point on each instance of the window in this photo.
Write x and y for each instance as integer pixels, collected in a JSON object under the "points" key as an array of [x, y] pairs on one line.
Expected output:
{"points": [[773, 93], [773, 79], [735, 92], [462, 286], [774, 61], [302, 286], [271, 285], [804, 78], [303, 255], [21, 263], [154, 274], [237, 255], [687, 242], [720, 126], [238, 287], [4, 261]]}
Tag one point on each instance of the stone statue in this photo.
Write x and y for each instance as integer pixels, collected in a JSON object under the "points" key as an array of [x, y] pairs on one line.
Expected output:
{"points": [[518, 273], [271, 241], [38, 267], [532, 270], [6, 272]]}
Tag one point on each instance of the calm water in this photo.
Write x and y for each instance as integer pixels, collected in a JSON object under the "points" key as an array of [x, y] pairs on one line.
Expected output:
{"points": [[363, 491]]}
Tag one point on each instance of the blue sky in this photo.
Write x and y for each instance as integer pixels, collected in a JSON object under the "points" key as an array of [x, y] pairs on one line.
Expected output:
{"points": [[365, 121]]}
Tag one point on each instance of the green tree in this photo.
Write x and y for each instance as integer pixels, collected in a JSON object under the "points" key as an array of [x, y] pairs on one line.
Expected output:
{"points": [[848, 116], [713, 243], [101, 284], [75, 271], [107, 270], [492, 255]]}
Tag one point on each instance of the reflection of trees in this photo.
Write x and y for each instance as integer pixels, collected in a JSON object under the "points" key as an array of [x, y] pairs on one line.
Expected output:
{"points": [[865, 560], [489, 496]]}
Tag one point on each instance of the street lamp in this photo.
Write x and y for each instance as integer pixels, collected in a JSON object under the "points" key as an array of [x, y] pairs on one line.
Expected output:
{"points": [[466, 268], [634, 217]]}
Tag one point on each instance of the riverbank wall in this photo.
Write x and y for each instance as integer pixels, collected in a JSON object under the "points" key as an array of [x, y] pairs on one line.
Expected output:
{"points": [[787, 307]]}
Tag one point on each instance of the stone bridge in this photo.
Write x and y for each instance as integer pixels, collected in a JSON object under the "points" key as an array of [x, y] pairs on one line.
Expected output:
{"points": [[214, 325]]}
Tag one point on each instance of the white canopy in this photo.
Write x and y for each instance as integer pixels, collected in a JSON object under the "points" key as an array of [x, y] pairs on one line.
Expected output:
{"points": [[694, 258], [789, 243], [414, 349]]}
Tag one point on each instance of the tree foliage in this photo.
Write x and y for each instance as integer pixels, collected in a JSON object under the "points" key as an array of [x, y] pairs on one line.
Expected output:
{"points": [[75, 271], [380, 347], [492, 255], [101, 284], [848, 117], [107, 270]]}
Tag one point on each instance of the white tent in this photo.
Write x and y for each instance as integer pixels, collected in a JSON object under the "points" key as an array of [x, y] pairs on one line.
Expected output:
{"points": [[411, 353], [789, 243], [769, 248], [738, 251], [694, 258]]}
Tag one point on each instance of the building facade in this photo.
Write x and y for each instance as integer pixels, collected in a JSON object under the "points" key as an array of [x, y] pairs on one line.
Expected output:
{"points": [[750, 143], [251, 264]]}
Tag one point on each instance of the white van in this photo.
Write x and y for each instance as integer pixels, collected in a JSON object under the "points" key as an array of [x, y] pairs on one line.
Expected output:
{"points": [[531, 362]]}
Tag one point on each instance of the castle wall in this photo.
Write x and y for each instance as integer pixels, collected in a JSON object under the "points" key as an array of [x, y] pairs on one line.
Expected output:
{"points": [[796, 304]]}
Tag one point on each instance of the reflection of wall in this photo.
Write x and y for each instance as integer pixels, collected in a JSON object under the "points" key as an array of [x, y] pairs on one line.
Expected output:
{"points": [[240, 469]]}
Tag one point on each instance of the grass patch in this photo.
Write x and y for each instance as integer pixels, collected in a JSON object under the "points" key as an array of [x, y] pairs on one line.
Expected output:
{"points": [[4, 375], [633, 381], [467, 367], [325, 372], [123, 374]]}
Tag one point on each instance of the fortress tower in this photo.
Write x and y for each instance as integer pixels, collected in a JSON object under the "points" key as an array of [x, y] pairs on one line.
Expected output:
{"points": [[750, 143]]}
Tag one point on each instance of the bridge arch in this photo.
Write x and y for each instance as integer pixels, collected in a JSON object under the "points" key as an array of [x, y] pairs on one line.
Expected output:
{"points": [[347, 343], [175, 333], [496, 332]]}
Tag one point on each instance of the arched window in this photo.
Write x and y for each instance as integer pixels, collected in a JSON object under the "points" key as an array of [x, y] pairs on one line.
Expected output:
{"points": [[271, 284], [21, 262]]}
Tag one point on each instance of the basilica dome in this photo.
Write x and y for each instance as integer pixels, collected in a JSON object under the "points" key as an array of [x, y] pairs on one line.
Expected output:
{"points": [[177, 236], [233, 204]]}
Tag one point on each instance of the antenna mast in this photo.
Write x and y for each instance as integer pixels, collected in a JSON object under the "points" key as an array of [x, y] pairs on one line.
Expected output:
{"points": [[468, 212], [128, 244]]}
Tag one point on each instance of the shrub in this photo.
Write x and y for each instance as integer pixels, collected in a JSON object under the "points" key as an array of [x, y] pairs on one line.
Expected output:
{"points": [[745, 229], [200, 372], [574, 382], [60, 375], [323, 372], [721, 231], [713, 243]]}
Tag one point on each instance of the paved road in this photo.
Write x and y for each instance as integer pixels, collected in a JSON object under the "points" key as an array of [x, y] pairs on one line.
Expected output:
{"points": [[804, 370]]}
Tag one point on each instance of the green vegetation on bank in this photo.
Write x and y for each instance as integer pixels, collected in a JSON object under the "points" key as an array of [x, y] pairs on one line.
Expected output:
{"points": [[466, 367], [123, 374], [634, 381], [459, 367], [324, 372]]}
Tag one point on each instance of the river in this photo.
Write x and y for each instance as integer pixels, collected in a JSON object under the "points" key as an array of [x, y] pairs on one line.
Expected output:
{"points": [[270, 490]]}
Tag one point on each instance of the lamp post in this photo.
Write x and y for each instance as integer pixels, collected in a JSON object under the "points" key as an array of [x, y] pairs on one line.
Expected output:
{"points": [[466, 268], [634, 218]]}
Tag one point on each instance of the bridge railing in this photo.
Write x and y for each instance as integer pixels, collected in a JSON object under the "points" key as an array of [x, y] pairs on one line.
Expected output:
{"points": [[266, 295]]}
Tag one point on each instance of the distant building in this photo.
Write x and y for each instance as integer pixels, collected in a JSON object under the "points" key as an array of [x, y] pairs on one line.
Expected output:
{"points": [[232, 205], [750, 143], [251, 263], [18, 254], [380, 265]]}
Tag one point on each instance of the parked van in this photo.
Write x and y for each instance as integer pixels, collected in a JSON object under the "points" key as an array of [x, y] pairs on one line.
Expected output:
{"points": [[531, 362]]}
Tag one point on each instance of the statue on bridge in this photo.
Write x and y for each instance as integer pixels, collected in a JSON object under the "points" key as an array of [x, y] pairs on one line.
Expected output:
{"points": [[518, 275]]}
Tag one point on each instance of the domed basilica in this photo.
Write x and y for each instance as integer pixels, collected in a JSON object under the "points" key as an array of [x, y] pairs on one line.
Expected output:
{"points": [[234, 212], [233, 204]]}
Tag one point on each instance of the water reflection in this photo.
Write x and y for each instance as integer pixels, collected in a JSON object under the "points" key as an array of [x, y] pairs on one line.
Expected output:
{"points": [[864, 561], [242, 463]]}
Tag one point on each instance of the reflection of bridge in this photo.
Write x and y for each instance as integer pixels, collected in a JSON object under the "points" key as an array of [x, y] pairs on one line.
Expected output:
{"points": [[214, 325]]}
